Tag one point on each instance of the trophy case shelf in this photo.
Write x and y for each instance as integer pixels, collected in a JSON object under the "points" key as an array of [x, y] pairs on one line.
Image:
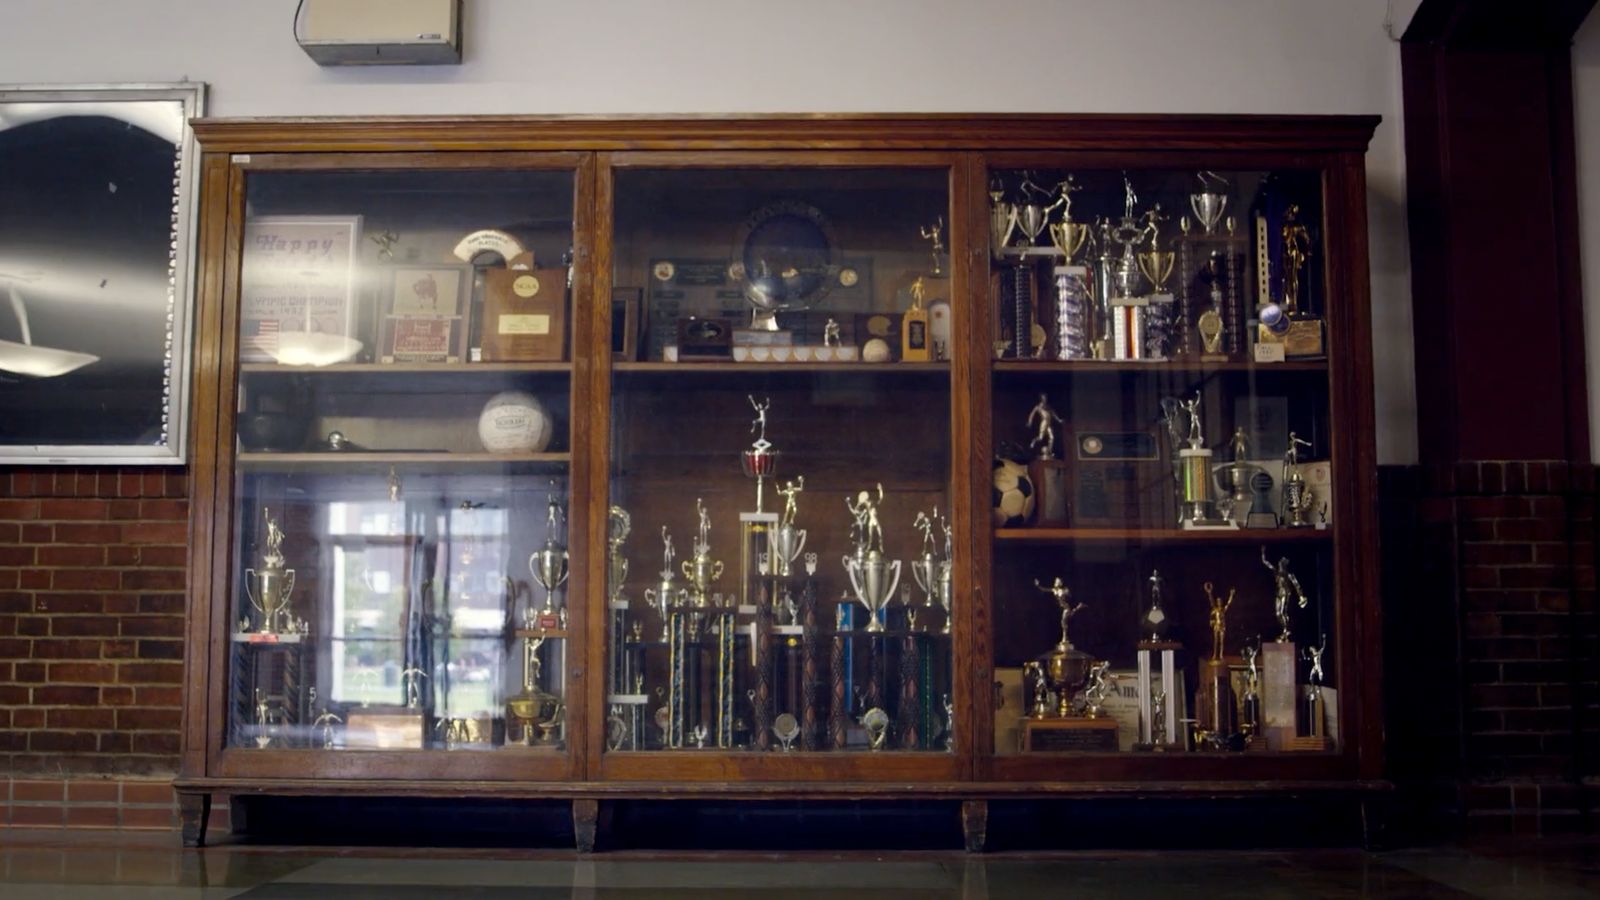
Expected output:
{"points": [[1213, 536], [786, 579]]}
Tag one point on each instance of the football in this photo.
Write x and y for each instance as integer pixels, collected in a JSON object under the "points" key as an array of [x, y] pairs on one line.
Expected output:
{"points": [[1013, 494]]}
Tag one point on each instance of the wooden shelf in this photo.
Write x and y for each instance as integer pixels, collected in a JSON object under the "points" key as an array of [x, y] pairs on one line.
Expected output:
{"points": [[354, 459], [1162, 535], [715, 368], [1076, 366], [407, 368]]}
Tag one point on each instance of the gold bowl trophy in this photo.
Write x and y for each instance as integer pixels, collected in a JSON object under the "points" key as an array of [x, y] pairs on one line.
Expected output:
{"points": [[269, 588], [787, 542], [1065, 670], [548, 565], [701, 570], [534, 708], [1209, 203], [873, 577], [666, 591]]}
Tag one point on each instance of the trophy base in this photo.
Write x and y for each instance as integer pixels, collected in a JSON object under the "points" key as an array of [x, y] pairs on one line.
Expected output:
{"points": [[1069, 735], [1050, 490], [1216, 357], [371, 729], [1261, 520], [1210, 525], [1303, 744]]}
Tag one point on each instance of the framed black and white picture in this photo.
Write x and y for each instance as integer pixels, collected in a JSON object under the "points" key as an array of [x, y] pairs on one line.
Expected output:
{"points": [[97, 190]]}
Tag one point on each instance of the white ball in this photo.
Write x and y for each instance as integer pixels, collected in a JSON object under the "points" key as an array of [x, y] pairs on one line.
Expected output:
{"points": [[876, 350], [515, 422]]}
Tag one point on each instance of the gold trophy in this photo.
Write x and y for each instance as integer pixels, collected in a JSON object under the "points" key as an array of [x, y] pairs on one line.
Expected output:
{"points": [[618, 524], [1298, 501], [666, 592], [700, 570], [534, 708], [269, 588], [1065, 670]]}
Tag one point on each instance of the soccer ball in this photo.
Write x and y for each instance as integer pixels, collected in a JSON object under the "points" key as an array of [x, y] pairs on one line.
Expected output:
{"points": [[515, 422], [1013, 494]]}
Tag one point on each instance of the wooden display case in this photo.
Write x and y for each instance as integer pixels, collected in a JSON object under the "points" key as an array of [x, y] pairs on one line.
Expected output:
{"points": [[761, 258]]}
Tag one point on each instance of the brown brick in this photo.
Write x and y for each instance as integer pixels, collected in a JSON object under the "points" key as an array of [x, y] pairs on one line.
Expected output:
{"points": [[161, 603], [18, 555], [147, 792], [113, 742], [80, 719], [156, 743], [72, 509], [8, 627], [158, 696], [122, 604], [177, 484], [148, 817], [37, 534], [164, 510], [66, 695], [16, 648], [1499, 600], [19, 510], [38, 791], [158, 557], [1548, 508], [16, 601], [72, 555], [1480, 577], [8, 579], [62, 741], [1533, 624], [122, 510], [87, 533], [1500, 696], [153, 580], [1532, 577], [85, 579], [161, 650], [1493, 507], [175, 533], [92, 817], [1486, 554], [1492, 478], [33, 579], [66, 649], [147, 719], [153, 485], [38, 816], [125, 649], [1502, 649], [152, 626], [82, 626], [10, 533], [71, 603], [22, 719], [31, 672], [116, 695], [96, 791], [151, 673], [1550, 554], [1529, 530], [82, 673]]}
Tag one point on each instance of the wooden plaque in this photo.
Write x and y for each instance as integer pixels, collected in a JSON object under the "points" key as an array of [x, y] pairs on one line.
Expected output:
{"points": [[1119, 479], [525, 315]]}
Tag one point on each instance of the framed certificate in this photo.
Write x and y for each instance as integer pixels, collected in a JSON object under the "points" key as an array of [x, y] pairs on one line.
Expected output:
{"points": [[424, 318], [297, 296]]}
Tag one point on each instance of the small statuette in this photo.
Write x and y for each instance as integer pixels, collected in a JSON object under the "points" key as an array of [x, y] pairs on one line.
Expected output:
{"points": [[1219, 620], [1154, 623], [1285, 586], [413, 678], [1101, 683], [699, 734], [1044, 439], [830, 334], [811, 563]]}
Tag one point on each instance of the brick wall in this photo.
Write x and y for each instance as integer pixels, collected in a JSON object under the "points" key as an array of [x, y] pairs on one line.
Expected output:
{"points": [[91, 619], [1492, 641]]}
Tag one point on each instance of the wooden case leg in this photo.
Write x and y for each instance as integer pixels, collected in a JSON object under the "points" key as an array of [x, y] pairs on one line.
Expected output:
{"points": [[194, 810], [585, 823], [975, 824]]}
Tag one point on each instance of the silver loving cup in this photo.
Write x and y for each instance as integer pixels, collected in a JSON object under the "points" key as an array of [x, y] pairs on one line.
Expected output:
{"points": [[874, 580], [273, 586], [660, 599], [549, 569], [1208, 208], [1234, 480], [946, 590], [1032, 219], [787, 543], [925, 569]]}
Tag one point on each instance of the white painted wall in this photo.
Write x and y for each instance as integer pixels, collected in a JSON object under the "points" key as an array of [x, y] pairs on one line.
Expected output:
{"points": [[618, 56], [1586, 100]]}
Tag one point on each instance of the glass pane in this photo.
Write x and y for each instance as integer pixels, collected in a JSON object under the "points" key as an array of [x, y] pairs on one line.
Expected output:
{"points": [[1162, 433], [780, 438], [402, 457]]}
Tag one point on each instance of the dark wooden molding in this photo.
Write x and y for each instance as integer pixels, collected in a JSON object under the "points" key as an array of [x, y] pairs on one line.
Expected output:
{"points": [[823, 131], [1497, 24]]}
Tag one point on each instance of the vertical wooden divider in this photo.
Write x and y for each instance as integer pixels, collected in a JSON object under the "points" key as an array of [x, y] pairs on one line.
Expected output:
{"points": [[975, 737], [592, 373]]}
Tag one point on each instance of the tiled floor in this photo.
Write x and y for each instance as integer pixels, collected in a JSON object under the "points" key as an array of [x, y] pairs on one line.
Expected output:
{"points": [[120, 865]]}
